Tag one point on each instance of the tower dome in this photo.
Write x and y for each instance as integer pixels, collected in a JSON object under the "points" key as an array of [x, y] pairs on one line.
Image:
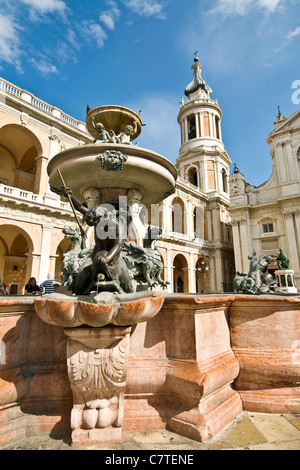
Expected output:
{"points": [[197, 85]]}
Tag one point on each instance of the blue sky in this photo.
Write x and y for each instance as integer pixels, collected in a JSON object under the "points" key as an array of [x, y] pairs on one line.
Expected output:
{"points": [[139, 53]]}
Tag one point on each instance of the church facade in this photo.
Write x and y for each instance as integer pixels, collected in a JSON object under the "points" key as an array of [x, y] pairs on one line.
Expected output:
{"points": [[196, 242], [267, 218]]}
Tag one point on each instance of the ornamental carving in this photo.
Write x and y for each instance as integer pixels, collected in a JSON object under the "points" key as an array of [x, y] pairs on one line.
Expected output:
{"points": [[112, 160], [97, 366]]}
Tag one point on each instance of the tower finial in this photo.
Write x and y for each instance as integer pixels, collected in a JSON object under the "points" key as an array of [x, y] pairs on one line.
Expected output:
{"points": [[196, 56]]}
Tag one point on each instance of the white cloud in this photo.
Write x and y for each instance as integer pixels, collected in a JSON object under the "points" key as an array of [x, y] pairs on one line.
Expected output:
{"points": [[9, 41], [147, 7], [294, 33], [110, 16], [270, 5], [93, 32], [242, 7], [46, 6], [44, 66]]}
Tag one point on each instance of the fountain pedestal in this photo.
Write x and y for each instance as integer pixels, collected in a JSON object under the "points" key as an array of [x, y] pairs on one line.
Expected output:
{"points": [[97, 366], [286, 281], [97, 354]]}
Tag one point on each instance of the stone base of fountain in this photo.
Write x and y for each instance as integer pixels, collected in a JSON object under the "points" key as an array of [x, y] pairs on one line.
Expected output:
{"points": [[191, 368]]}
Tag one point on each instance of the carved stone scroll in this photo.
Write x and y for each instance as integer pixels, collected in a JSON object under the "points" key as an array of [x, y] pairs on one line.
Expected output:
{"points": [[97, 367]]}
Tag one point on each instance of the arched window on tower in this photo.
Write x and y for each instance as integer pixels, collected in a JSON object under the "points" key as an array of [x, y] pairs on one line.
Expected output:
{"points": [[192, 128], [192, 176]]}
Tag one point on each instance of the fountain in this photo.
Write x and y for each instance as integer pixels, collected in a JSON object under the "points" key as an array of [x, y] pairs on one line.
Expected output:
{"points": [[190, 363], [108, 182]]}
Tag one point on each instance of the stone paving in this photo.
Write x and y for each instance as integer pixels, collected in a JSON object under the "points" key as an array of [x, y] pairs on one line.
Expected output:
{"points": [[249, 431]]}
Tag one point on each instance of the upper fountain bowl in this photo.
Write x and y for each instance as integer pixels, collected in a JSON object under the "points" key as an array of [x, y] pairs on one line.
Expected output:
{"points": [[112, 165], [114, 118]]}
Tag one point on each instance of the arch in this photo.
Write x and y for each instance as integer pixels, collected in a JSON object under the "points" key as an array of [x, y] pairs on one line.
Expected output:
{"points": [[15, 265], [180, 274], [199, 214], [192, 175], [202, 270], [64, 246], [19, 150], [178, 221]]}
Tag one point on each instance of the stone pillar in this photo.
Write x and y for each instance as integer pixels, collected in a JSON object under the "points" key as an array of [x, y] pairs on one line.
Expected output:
{"points": [[290, 225], [197, 124], [203, 178], [166, 215], [246, 242], [169, 270], [33, 266], [41, 177], [237, 247], [219, 271], [97, 367], [211, 125], [192, 275], [220, 131], [45, 253], [202, 124], [186, 131]]}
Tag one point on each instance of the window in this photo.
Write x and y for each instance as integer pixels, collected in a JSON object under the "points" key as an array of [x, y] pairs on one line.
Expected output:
{"points": [[268, 228]]}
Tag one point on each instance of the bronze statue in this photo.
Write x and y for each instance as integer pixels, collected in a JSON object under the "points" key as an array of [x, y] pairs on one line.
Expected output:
{"points": [[258, 280], [283, 261], [104, 268]]}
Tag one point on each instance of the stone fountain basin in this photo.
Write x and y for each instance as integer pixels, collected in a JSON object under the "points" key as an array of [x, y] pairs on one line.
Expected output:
{"points": [[72, 313], [113, 117], [146, 171]]}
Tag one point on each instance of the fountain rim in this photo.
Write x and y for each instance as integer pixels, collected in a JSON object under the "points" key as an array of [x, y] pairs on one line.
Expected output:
{"points": [[115, 109], [97, 148]]}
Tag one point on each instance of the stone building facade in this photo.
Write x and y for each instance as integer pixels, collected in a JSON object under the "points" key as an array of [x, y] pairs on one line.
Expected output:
{"points": [[196, 242], [267, 217]]}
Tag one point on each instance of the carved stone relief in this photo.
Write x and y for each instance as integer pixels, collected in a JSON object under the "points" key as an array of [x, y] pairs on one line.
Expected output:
{"points": [[97, 367]]}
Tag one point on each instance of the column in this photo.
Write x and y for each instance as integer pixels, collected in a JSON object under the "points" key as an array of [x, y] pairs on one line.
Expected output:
{"points": [[190, 225], [209, 225], [290, 231], [216, 223], [246, 242], [41, 177], [201, 124], [166, 215], [220, 132], [211, 125], [219, 270], [197, 124], [203, 178], [45, 253], [237, 247], [192, 277], [186, 131], [219, 185], [33, 266], [169, 270]]}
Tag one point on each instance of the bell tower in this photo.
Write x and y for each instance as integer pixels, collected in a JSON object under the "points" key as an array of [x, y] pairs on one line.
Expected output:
{"points": [[202, 159]]}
